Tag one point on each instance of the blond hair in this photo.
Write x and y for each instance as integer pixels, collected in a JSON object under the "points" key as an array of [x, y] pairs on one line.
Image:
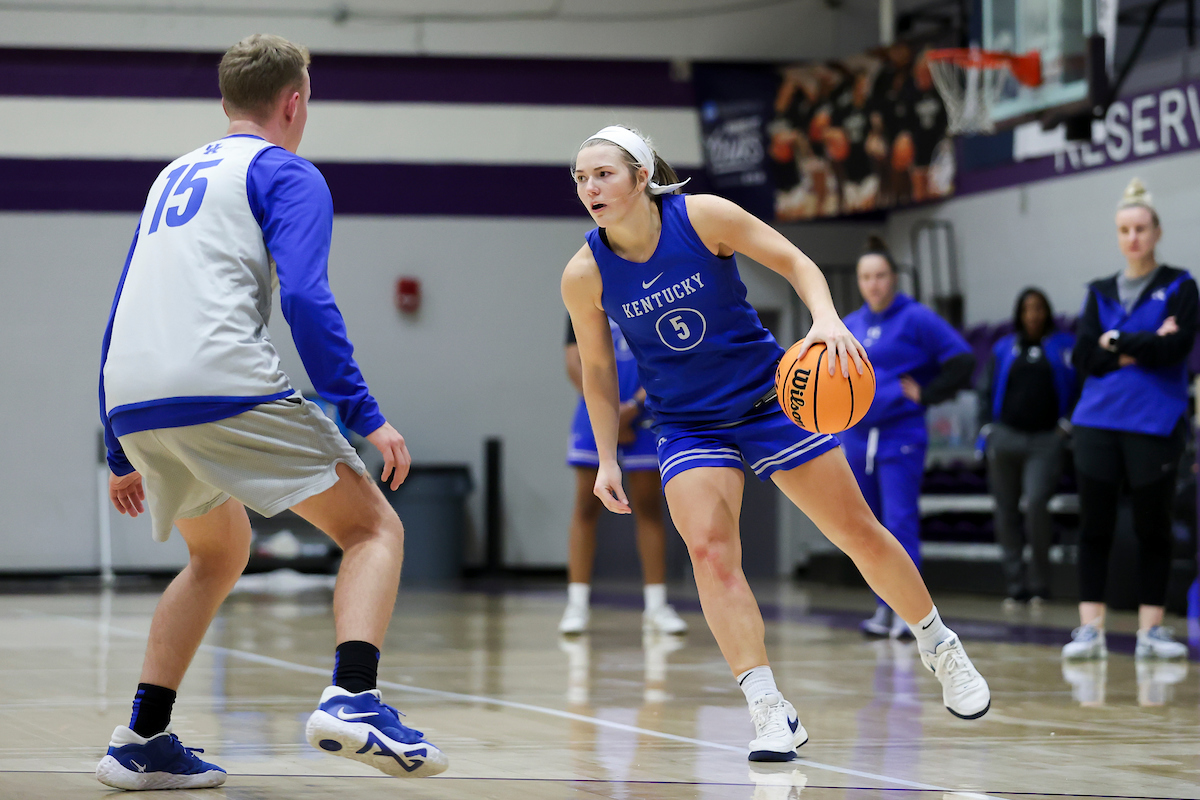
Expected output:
{"points": [[1138, 196], [255, 70]]}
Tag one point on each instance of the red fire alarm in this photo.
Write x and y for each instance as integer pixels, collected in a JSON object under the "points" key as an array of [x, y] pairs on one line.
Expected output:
{"points": [[408, 295]]}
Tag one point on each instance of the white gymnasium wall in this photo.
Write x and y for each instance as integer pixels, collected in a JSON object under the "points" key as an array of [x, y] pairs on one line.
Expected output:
{"points": [[1058, 234], [483, 357]]}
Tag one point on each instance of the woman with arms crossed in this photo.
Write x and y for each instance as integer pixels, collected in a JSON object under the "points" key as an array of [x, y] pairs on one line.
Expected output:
{"points": [[1134, 337], [661, 266]]}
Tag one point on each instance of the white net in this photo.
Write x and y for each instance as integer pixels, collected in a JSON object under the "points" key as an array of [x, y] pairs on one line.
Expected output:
{"points": [[968, 91]]}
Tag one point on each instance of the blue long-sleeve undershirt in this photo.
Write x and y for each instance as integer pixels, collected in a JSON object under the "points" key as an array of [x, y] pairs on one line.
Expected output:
{"points": [[291, 201]]}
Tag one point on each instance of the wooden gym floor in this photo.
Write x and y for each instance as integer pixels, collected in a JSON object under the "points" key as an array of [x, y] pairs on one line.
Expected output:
{"points": [[524, 714]]}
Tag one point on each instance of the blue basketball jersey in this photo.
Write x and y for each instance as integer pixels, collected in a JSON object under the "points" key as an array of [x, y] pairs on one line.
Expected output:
{"points": [[701, 351]]}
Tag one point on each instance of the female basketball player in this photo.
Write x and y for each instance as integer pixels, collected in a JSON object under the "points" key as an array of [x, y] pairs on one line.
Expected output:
{"points": [[636, 453], [661, 265], [919, 360], [1133, 340]]}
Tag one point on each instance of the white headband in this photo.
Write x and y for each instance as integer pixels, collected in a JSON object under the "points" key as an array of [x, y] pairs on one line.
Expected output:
{"points": [[636, 146]]}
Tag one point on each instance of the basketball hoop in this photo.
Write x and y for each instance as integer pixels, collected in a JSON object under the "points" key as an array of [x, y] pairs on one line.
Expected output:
{"points": [[971, 80]]}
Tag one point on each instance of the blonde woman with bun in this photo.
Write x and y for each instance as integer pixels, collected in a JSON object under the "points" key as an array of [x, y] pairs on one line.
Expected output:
{"points": [[1135, 333]]}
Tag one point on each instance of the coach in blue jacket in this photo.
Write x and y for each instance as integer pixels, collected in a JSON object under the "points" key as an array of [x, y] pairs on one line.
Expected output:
{"points": [[1134, 336], [1030, 389]]}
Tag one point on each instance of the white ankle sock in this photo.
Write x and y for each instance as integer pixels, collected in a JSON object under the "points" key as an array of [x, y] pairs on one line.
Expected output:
{"points": [[756, 682], [931, 631], [578, 594], [656, 595]]}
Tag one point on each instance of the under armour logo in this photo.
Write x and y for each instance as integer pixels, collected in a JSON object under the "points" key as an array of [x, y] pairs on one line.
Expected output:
{"points": [[212, 148], [1160, 295], [373, 740]]}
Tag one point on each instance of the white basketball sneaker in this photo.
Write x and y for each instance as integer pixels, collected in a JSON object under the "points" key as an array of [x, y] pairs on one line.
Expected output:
{"points": [[1087, 641], [777, 728], [1159, 642], [964, 691], [663, 620], [574, 619]]}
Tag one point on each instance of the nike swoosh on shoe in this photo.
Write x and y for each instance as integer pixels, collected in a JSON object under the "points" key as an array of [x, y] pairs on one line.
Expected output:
{"points": [[341, 714]]}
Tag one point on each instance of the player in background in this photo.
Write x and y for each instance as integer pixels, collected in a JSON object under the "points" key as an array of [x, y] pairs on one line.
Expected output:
{"points": [[637, 454], [661, 266], [200, 418], [919, 360]]}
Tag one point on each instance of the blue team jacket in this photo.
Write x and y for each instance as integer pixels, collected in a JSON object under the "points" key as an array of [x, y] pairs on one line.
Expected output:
{"points": [[1149, 397], [1058, 347]]}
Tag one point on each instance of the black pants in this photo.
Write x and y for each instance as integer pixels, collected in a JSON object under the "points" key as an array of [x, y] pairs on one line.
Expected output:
{"points": [[1105, 461]]}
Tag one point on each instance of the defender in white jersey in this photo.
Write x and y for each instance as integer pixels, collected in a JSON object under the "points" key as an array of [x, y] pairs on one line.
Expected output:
{"points": [[194, 401]]}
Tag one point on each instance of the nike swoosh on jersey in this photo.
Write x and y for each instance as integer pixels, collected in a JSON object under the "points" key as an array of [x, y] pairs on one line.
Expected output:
{"points": [[341, 714], [648, 284]]}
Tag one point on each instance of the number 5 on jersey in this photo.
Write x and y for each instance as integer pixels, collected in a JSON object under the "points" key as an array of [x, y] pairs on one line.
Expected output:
{"points": [[681, 328], [196, 184]]}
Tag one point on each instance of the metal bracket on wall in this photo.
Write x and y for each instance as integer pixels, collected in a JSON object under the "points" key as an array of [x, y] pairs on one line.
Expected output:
{"points": [[935, 254]]}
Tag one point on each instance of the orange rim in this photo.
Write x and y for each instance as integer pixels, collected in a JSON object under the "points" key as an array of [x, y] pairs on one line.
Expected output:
{"points": [[1026, 68]]}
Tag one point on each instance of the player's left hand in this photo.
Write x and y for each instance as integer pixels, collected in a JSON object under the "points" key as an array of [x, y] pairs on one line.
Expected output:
{"points": [[126, 493], [396, 459], [839, 341], [910, 388]]}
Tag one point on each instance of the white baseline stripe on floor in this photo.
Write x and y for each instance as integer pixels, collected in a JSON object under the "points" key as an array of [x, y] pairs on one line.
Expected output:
{"points": [[403, 133], [291, 666]]}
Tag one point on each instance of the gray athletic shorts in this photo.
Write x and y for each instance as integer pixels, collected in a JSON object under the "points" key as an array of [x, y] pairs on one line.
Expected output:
{"points": [[269, 458]]}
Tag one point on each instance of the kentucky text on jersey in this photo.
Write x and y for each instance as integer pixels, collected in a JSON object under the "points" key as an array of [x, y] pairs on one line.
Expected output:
{"points": [[670, 294]]}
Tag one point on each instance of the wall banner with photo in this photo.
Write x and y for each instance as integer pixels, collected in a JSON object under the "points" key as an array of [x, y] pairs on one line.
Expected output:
{"points": [[844, 137]]}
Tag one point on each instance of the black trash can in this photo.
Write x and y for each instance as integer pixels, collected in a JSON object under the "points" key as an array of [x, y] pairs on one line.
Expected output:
{"points": [[432, 505]]}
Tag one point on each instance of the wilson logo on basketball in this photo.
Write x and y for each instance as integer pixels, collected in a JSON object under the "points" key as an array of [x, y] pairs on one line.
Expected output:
{"points": [[817, 401], [796, 399]]}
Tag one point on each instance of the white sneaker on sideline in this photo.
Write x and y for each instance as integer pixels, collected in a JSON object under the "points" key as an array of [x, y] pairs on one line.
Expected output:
{"points": [[899, 629], [574, 619], [777, 729], [879, 623], [964, 691], [1087, 641], [1159, 642], [663, 619]]}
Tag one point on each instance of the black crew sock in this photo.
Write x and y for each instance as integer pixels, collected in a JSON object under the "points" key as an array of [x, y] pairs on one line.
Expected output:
{"points": [[151, 709], [356, 666]]}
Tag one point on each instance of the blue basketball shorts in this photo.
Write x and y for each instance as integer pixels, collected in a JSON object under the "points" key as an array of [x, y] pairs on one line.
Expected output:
{"points": [[767, 442], [640, 454]]}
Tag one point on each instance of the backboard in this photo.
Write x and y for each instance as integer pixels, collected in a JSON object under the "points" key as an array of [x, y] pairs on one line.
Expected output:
{"points": [[1059, 31]]}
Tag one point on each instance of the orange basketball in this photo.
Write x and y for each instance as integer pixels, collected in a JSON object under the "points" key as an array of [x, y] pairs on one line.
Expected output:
{"points": [[817, 401]]}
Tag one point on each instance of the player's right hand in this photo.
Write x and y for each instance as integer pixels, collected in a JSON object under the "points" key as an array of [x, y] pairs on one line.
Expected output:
{"points": [[609, 488], [396, 459], [126, 493]]}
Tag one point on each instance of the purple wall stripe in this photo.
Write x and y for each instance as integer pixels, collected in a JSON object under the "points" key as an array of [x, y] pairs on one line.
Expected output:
{"points": [[359, 189], [113, 73]]}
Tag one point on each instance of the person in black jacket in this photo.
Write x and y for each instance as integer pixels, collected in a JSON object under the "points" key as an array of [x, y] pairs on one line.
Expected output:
{"points": [[1134, 336], [1029, 390]]}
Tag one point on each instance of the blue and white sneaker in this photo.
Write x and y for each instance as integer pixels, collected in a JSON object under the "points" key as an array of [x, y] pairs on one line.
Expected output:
{"points": [[360, 726], [777, 729], [160, 762]]}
